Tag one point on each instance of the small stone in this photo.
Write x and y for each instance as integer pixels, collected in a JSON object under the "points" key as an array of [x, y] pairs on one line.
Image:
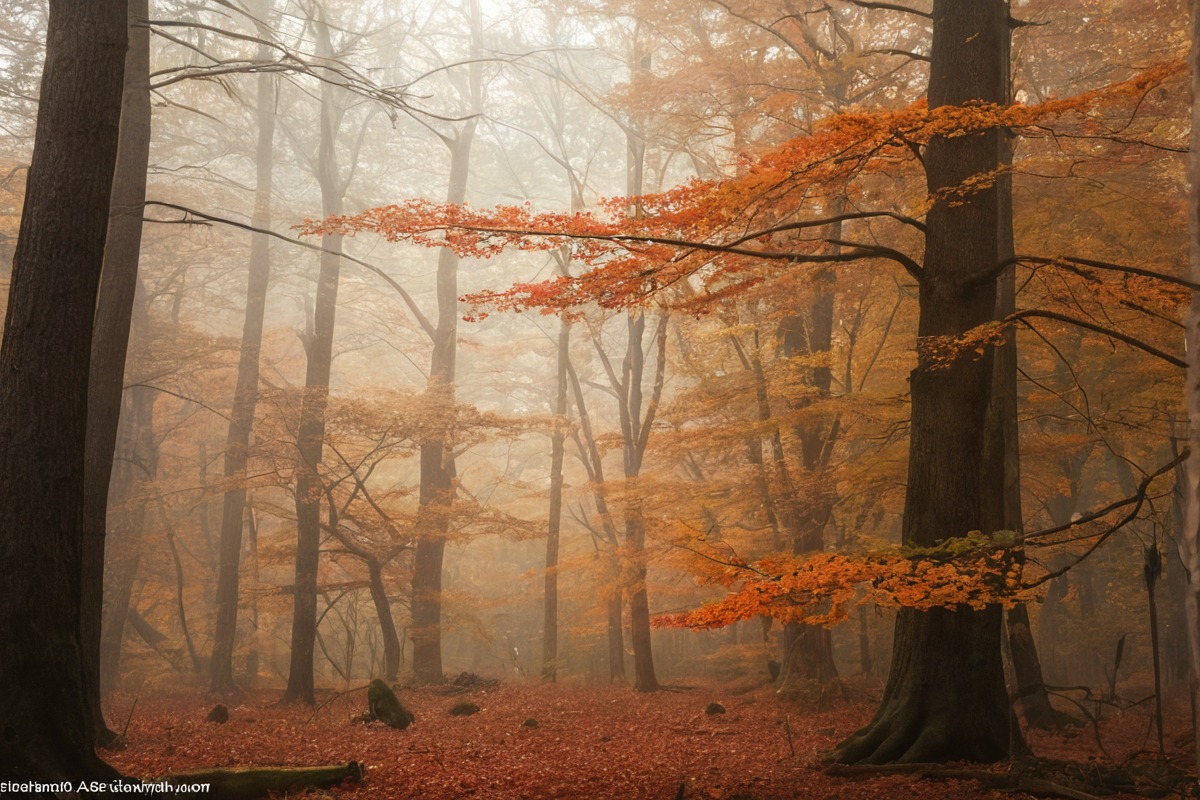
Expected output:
{"points": [[530, 723], [714, 708]]}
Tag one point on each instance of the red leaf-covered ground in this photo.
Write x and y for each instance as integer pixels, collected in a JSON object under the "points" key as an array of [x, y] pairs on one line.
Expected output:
{"points": [[590, 742]]}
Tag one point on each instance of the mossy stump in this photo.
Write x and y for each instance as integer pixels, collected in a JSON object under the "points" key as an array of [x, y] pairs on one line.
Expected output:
{"points": [[384, 706]]}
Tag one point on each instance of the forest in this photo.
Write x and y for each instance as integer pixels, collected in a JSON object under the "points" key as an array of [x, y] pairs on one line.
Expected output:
{"points": [[694, 399]]}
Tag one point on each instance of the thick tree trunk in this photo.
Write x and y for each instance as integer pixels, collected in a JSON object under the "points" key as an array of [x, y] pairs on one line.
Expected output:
{"points": [[110, 340], [945, 698], [554, 521], [310, 441], [245, 396], [1002, 450], [45, 360]]}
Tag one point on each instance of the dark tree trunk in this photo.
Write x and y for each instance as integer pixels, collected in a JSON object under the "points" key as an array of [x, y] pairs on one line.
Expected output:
{"points": [[387, 623], [310, 442], [436, 496], [245, 396], [110, 340], [1002, 450], [945, 697], [635, 435], [808, 649], [554, 521], [45, 360]]}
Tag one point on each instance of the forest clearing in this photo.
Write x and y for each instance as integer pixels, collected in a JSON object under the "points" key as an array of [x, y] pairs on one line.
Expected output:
{"points": [[733, 399]]}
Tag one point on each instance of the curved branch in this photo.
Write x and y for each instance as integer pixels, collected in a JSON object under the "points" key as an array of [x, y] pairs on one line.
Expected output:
{"points": [[1127, 339], [422, 320]]}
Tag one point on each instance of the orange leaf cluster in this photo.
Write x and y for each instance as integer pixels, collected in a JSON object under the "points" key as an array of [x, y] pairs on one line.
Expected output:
{"points": [[819, 589], [716, 230]]}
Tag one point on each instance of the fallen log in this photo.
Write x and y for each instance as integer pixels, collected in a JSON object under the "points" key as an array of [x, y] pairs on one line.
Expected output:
{"points": [[257, 783]]}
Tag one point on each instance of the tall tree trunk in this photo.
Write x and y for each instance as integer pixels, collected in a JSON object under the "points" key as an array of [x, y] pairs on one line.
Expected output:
{"points": [[436, 496], [808, 649], [245, 396], [1189, 539], [45, 360], [110, 339], [554, 522], [945, 697], [310, 441], [635, 434]]}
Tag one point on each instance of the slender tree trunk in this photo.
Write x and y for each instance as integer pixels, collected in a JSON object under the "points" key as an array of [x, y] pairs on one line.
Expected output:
{"points": [[45, 360], [554, 523], [387, 623], [436, 496], [310, 441], [245, 397], [110, 339], [945, 697], [808, 649], [135, 468]]}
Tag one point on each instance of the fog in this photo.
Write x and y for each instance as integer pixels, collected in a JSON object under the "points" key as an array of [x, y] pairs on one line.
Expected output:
{"points": [[677, 454]]}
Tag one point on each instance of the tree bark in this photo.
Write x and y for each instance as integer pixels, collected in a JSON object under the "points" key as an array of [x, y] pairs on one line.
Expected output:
{"points": [[45, 360], [387, 623], [1189, 539], [110, 339], [554, 521], [436, 496], [310, 441], [245, 396], [945, 697]]}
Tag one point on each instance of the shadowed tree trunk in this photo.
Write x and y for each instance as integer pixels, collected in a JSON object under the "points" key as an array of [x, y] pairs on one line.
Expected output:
{"points": [[436, 496], [245, 396], [945, 697], [45, 360], [318, 346], [110, 340]]}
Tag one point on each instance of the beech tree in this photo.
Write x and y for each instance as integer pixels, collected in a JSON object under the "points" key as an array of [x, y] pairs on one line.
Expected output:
{"points": [[45, 359]]}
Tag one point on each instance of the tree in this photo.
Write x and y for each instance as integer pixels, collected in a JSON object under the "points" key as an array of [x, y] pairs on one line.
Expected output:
{"points": [[45, 359], [245, 397], [114, 318], [929, 713], [318, 346], [438, 474]]}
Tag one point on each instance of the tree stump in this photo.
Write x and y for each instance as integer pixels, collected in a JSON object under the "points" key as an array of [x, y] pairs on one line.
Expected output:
{"points": [[386, 707]]}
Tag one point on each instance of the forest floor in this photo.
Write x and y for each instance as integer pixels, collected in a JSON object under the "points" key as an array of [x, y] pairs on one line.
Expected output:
{"points": [[593, 742]]}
